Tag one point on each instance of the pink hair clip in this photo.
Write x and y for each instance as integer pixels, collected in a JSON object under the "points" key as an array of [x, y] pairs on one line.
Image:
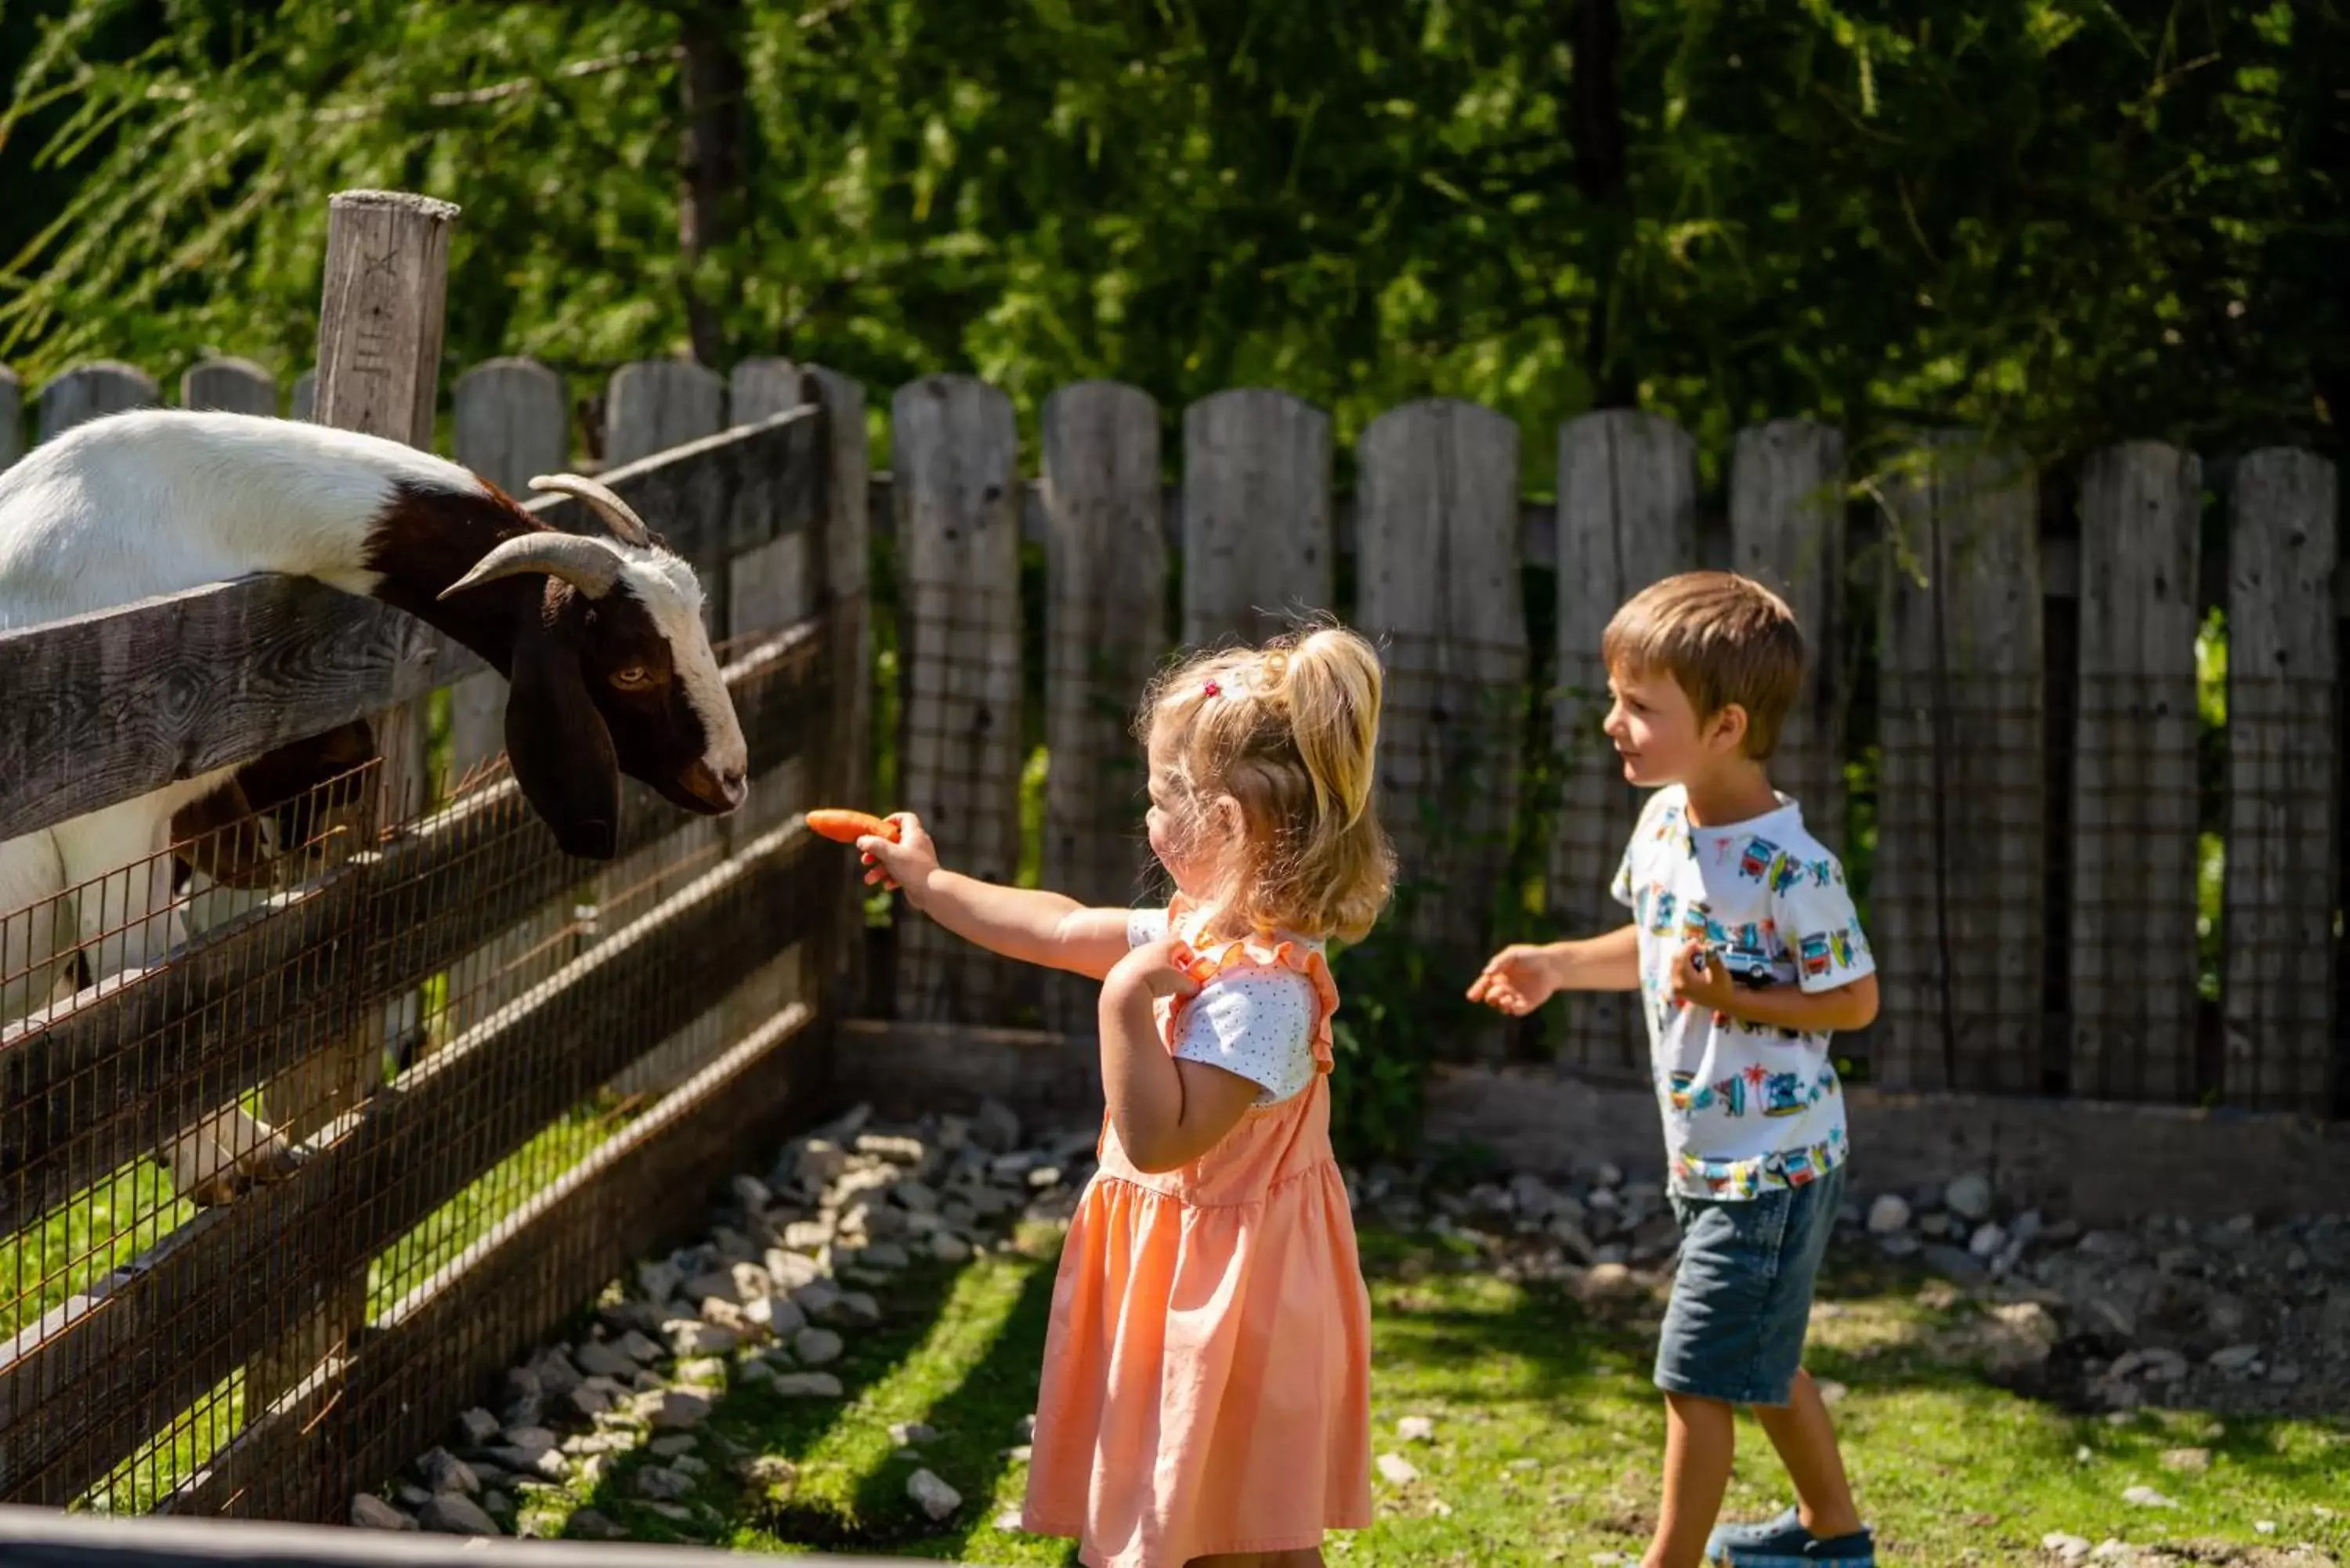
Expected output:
{"points": [[1214, 690]]}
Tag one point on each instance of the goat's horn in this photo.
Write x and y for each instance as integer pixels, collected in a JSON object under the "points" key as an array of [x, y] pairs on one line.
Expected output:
{"points": [[591, 566], [618, 515]]}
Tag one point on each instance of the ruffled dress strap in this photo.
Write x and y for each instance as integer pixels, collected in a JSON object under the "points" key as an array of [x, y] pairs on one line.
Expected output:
{"points": [[1265, 951]]}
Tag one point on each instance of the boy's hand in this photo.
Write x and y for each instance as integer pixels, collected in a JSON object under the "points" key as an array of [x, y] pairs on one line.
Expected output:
{"points": [[1708, 987], [909, 863], [1517, 980], [1160, 968]]}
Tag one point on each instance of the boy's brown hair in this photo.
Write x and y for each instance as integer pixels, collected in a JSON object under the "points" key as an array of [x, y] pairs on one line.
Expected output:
{"points": [[1723, 638]]}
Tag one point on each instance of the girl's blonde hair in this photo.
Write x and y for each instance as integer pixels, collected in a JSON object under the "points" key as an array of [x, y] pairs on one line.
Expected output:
{"points": [[1290, 732]]}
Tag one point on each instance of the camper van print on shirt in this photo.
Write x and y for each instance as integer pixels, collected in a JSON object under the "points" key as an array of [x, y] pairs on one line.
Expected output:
{"points": [[1747, 1107]]}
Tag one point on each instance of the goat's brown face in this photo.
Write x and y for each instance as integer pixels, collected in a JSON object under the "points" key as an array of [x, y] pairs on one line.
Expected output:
{"points": [[656, 712], [603, 686]]}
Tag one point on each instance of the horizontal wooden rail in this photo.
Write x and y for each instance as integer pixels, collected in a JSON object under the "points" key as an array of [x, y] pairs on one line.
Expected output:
{"points": [[127, 1355], [83, 1094], [468, 1318], [102, 708], [38, 1537]]}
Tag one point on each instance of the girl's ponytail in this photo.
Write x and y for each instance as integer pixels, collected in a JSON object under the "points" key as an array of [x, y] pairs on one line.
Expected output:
{"points": [[1331, 686]]}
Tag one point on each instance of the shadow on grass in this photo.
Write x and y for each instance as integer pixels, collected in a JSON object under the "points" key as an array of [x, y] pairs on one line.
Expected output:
{"points": [[978, 1420]]}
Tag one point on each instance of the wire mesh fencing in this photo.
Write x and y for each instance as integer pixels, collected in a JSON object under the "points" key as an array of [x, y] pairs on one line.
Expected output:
{"points": [[264, 1217]]}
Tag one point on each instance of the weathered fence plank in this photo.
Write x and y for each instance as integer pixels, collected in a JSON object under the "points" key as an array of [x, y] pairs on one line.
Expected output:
{"points": [[1439, 590], [1957, 899], [2134, 788], [2283, 814], [653, 405], [512, 425], [91, 392], [12, 417], [1104, 634], [837, 960], [1787, 532], [1627, 518], [767, 586], [231, 386], [959, 657], [1257, 548]]}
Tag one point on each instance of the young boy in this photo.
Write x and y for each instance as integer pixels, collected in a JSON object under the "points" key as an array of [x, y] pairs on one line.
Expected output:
{"points": [[1747, 955]]}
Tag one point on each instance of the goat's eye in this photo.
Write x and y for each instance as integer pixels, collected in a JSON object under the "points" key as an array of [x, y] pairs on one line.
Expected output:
{"points": [[635, 678]]}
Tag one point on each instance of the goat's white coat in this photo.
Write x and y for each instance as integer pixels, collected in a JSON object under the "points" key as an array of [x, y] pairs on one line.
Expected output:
{"points": [[138, 504]]}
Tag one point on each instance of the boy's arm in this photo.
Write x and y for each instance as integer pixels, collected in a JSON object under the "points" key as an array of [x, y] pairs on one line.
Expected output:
{"points": [[1843, 1010], [1517, 980], [1025, 923]]}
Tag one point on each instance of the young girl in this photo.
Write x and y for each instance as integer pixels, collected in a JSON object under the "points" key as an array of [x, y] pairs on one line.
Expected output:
{"points": [[1206, 1390]]}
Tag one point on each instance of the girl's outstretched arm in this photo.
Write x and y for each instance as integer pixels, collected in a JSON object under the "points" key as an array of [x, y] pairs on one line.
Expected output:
{"points": [[1168, 1113], [1025, 923]]}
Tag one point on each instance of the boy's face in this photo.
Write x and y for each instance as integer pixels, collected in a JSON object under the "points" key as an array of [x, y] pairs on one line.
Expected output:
{"points": [[1657, 732]]}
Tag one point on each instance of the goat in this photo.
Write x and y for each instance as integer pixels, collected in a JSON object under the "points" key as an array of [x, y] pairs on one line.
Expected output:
{"points": [[600, 639]]}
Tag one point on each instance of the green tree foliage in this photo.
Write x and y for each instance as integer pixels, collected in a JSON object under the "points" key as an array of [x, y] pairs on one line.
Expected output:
{"points": [[2072, 220]]}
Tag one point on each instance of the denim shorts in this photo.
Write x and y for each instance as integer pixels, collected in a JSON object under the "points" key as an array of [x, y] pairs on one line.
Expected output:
{"points": [[1742, 1295]]}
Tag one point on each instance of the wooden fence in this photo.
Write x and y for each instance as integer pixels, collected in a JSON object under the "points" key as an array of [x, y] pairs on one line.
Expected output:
{"points": [[592, 1048], [2089, 868]]}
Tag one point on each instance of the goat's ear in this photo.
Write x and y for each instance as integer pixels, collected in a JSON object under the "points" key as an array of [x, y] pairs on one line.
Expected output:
{"points": [[561, 751]]}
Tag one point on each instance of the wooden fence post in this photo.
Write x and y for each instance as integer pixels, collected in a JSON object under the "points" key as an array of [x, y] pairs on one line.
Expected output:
{"points": [[958, 499], [90, 391], [766, 586], [512, 424], [12, 417], [2134, 788], [656, 404], [1437, 552], [846, 566], [232, 386], [651, 406], [1104, 634], [1257, 544], [1627, 518], [2283, 865], [380, 333], [1956, 904], [1787, 532]]}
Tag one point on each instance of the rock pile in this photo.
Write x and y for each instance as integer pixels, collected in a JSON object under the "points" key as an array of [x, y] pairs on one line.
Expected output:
{"points": [[2236, 1316], [796, 1264]]}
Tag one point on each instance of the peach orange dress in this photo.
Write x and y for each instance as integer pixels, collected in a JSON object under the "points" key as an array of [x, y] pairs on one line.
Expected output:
{"points": [[1207, 1371]]}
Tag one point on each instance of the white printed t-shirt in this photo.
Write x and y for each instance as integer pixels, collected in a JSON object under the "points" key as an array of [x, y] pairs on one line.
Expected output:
{"points": [[1747, 1107], [1255, 1023]]}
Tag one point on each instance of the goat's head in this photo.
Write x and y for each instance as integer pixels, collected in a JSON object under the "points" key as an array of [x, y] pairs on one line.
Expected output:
{"points": [[612, 672]]}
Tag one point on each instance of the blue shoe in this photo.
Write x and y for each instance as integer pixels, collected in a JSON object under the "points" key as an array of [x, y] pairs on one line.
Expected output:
{"points": [[1783, 1543]]}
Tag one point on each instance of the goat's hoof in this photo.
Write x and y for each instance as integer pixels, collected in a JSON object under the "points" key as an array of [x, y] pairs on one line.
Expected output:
{"points": [[268, 1165], [218, 1192]]}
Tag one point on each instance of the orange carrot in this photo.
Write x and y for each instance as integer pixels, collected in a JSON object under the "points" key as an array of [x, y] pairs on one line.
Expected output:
{"points": [[848, 826]]}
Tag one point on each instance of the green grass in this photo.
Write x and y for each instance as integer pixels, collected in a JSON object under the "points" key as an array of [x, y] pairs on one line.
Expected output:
{"points": [[1547, 1432]]}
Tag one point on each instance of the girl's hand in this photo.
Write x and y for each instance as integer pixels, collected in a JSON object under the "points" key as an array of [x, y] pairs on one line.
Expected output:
{"points": [[1517, 980], [1159, 969], [906, 865], [1693, 987]]}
